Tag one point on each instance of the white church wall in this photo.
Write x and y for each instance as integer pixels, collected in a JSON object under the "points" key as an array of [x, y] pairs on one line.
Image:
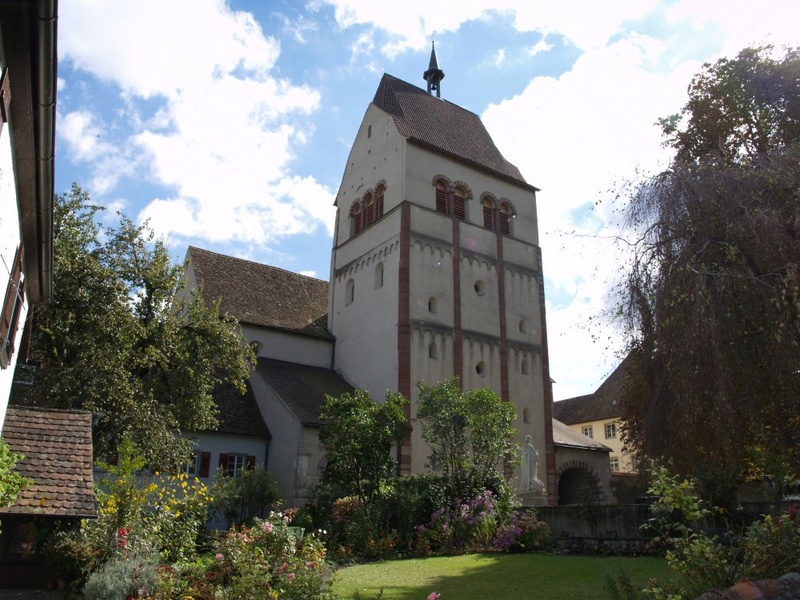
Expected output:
{"points": [[280, 345]]}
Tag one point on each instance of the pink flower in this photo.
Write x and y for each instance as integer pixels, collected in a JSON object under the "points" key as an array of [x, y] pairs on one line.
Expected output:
{"points": [[219, 556], [292, 576], [284, 566], [267, 527], [433, 596]]}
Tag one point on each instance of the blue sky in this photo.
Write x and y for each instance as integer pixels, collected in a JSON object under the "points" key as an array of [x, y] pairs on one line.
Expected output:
{"points": [[227, 124]]}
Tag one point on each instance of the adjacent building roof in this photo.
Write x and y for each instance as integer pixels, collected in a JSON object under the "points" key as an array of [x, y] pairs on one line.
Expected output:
{"points": [[238, 413], [301, 387], [264, 295], [602, 404], [57, 450], [443, 126], [564, 435]]}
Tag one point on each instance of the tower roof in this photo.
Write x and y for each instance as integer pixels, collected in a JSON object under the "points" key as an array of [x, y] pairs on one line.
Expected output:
{"points": [[443, 126], [434, 74]]}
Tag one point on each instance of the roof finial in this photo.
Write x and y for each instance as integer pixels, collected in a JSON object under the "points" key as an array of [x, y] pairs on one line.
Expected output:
{"points": [[434, 74]]}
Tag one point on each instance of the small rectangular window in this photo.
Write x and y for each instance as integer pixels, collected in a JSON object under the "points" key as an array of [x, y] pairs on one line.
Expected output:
{"points": [[613, 463], [611, 430], [587, 431]]}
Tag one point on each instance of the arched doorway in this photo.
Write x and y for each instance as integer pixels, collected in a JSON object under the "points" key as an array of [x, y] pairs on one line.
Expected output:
{"points": [[578, 485]]}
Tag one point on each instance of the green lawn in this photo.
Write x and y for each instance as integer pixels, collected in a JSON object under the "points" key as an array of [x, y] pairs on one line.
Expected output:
{"points": [[488, 576]]}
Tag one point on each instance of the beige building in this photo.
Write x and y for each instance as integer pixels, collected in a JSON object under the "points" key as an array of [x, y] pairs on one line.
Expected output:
{"points": [[597, 416]]}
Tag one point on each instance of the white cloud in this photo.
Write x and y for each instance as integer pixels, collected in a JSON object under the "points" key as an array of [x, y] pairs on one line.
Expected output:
{"points": [[224, 128]]}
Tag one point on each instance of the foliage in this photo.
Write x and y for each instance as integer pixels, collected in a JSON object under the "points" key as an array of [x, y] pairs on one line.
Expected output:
{"points": [[124, 576], [531, 532], [358, 434], [12, 482], [772, 547], [711, 299], [120, 338], [469, 433], [470, 526], [269, 560], [251, 493], [739, 108], [162, 514]]}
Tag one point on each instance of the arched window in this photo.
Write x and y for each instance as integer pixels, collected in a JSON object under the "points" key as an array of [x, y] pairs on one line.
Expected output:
{"points": [[357, 218], [525, 367], [432, 304], [441, 197], [433, 352], [526, 415], [460, 203], [369, 210], [505, 215], [379, 276], [488, 213], [379, 193], [349, 292]]}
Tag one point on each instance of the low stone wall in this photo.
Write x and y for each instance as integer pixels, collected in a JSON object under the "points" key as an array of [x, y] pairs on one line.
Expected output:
{"points": [[621, 522]]}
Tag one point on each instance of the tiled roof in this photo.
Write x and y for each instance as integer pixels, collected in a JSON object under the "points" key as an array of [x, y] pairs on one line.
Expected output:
{"points": [[259, 294], [442, 125], [602, 404], [57, 446], [564, 435], [238, 413], [301, 387]]}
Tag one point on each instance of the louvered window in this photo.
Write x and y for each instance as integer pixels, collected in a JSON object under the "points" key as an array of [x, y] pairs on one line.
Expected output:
{"points": [[441, 200], [379, 202], [504, 224], [459, 207], [488, 215], [358, 218], [369, 208]]}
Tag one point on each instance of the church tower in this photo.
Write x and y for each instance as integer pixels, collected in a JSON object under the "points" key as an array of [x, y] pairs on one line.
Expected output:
{"points": [[436, 267]]}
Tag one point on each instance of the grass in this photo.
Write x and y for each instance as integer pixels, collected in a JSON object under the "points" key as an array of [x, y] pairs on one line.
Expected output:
{"points": [[489, 576]]}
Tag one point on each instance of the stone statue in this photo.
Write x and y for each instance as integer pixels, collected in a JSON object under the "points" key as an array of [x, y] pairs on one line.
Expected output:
{"points": [[530, 468]]}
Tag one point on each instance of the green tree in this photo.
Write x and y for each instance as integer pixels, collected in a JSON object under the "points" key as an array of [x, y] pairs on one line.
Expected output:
{"points": [[248, 494], [12, 482], [469, 433], [358, 434], [739, 108], [711, 300], [120, 339]]}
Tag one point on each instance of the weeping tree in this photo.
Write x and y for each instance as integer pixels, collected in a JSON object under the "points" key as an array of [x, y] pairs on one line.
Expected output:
{"points": [[711, 299]]}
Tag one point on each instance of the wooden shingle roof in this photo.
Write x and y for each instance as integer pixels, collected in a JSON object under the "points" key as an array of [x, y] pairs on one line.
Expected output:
{"points": [[264, 295], [602, 404], [443, 126], [57, 449], [302, 387]]}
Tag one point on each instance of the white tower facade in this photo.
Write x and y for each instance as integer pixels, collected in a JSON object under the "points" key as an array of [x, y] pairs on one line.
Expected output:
{"points": [[436, 267]]}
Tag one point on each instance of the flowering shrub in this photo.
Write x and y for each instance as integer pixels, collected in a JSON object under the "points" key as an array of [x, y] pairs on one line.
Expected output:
{"points": [[470, 525], [269, 560], [522, 532]]}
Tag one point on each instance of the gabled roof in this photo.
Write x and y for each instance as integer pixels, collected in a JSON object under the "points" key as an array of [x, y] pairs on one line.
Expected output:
{"points": [[301, 387], [57, 446], [564, 435], [443, 126], [602, 404], [264, 295], [238, 413]]}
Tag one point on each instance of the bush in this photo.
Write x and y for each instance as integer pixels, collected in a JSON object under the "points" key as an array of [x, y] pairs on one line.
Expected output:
{"points": [[250, 494], [124, 576], [269, 560], [772, 547]]}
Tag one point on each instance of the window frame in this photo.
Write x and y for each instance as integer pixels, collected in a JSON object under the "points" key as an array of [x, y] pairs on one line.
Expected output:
{"points": [[611, 431], [588, 431]]}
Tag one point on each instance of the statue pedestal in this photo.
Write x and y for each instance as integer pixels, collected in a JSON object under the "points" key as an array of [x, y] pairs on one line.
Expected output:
{"points": [[535, 496]]}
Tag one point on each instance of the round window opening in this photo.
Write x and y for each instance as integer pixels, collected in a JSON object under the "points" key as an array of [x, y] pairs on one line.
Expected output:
{"points": [[480, 287]]}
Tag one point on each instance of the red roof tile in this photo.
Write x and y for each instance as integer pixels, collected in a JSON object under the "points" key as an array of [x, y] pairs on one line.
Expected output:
{"points": [[443, 126], [57, 449], [265, 295]]}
